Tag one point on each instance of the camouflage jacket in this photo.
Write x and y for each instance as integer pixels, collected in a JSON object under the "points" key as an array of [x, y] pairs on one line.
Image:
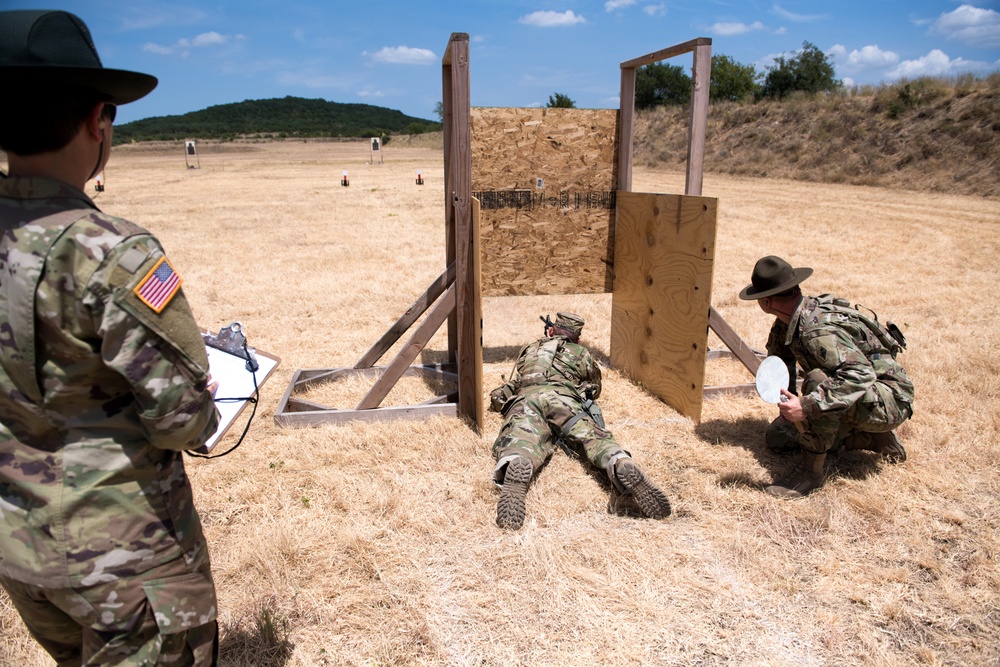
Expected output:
{"points": [[556, 363], [98, 395], [829, 335]]}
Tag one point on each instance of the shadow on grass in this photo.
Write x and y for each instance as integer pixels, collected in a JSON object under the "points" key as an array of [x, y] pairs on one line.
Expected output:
{"points": [[748, 433], [260, 639]]}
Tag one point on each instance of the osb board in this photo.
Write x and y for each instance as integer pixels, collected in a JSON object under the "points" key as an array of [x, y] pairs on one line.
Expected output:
{"points": [[665, 253], [556, 238]]}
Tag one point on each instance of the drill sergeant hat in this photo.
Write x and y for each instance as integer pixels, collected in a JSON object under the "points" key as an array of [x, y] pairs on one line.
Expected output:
{"points": [[773, 275], [40, 49]]}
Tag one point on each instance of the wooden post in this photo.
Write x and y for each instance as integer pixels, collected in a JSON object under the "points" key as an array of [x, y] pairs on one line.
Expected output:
{"points": [[464, 325], [700, 87], [447, 118], [626, 123]]}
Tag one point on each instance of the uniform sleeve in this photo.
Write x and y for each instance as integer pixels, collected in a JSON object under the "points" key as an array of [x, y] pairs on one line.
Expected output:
{"points": [[502, 394], [776, 347], [160, 354], [849, 372]]}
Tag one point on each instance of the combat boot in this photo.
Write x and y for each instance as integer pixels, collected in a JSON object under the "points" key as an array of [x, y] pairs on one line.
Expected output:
{"points": [[648, 496], [886, 444], [510, 506], [806, 477]]}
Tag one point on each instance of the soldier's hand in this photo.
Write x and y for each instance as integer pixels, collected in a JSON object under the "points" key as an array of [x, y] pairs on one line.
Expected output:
{"points": [[496, 399], [790, 407]]}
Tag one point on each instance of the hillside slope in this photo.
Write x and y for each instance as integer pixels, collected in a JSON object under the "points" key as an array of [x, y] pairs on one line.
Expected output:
{"points": [[279, 117], [929, 135]]}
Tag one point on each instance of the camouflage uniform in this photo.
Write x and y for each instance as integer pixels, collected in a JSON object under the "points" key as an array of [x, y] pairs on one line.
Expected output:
{"points": [[852, 383], [551, 380], [101, 549]]}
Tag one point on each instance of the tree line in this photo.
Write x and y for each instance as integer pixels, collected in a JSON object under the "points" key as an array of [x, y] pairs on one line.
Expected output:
{"points": [[808, 71]]}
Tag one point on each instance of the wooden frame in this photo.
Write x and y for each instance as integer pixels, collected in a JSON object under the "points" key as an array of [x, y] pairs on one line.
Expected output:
{"points": [[453, 297], [700, 89]]}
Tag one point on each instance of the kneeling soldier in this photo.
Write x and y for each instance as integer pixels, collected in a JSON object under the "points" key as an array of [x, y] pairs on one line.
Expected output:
{"points": [[854, 393]]}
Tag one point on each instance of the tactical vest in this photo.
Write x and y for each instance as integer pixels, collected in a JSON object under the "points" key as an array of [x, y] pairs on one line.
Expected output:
{"points": [[536, 362]]}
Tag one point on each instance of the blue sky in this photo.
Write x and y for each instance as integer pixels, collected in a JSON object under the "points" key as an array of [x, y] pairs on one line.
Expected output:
{"points": [[521, 51]]}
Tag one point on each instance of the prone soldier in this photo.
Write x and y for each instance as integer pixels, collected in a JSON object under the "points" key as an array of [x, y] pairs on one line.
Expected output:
{"points": [[549, 398]]}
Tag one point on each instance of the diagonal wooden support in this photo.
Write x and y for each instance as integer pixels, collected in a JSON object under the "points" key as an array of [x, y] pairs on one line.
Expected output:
{"points": [[413, 346], [743, 352], [412, 314]]}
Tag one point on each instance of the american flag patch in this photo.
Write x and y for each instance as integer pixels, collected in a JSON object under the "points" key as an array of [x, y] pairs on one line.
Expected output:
{"points": [[159, 286]]}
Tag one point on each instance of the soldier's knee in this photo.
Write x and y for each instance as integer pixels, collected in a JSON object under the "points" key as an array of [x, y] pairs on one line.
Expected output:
{"points": [[781, 437]]}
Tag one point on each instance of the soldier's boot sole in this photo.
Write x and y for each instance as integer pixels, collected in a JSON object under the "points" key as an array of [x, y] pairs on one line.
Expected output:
{"points": [[648, 496], [510, 506]]}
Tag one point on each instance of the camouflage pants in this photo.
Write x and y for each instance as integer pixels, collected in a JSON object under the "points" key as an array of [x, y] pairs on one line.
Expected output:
{"points": [[877, 411], [142, 621], [537, 418]]}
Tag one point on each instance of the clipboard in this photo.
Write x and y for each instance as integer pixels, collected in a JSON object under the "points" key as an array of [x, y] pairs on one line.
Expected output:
{"points": [[235, 382]]}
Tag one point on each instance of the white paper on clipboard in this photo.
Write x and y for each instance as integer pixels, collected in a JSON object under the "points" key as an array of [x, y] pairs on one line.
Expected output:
{"points": [[235, 381]]}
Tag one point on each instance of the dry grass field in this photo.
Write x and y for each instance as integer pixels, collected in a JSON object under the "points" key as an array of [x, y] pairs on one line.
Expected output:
{"points": [[374, 544]]}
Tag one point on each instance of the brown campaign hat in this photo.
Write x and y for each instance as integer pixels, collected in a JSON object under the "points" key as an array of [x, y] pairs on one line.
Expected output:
{"points": [[41, 48], [773, 275]]}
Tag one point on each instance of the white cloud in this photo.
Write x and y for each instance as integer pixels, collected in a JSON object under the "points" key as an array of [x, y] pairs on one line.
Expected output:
{"points": [[972, 25], [184, 45], [205, 39], [655, 10], [150, 47], [935, 63], [730, 29], [867, 58], [798, 18], [370, 94], [781, 31], [612, 5], [552, 19], [403, 55]]}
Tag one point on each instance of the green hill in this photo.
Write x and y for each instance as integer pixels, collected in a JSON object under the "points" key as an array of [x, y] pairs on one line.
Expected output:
{"points": [[285, 117]]}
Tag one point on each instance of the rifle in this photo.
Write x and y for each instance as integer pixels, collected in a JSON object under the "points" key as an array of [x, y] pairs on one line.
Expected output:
{"points": [[548, 323]]}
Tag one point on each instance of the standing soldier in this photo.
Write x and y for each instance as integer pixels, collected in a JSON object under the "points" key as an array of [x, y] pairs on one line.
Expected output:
{"points": [[103, 378], [854, 393], [549, 397]]}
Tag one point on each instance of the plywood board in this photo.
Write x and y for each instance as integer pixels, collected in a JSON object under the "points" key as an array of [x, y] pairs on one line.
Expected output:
{"points": [[546, 180], [665, 253]]}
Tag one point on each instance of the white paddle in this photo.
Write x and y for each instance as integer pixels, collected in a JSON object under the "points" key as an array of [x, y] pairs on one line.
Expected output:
{"points": [[772, 377]]}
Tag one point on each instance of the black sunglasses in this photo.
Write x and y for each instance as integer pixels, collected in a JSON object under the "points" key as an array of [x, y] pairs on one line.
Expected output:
{"points": [[110, 110]]}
